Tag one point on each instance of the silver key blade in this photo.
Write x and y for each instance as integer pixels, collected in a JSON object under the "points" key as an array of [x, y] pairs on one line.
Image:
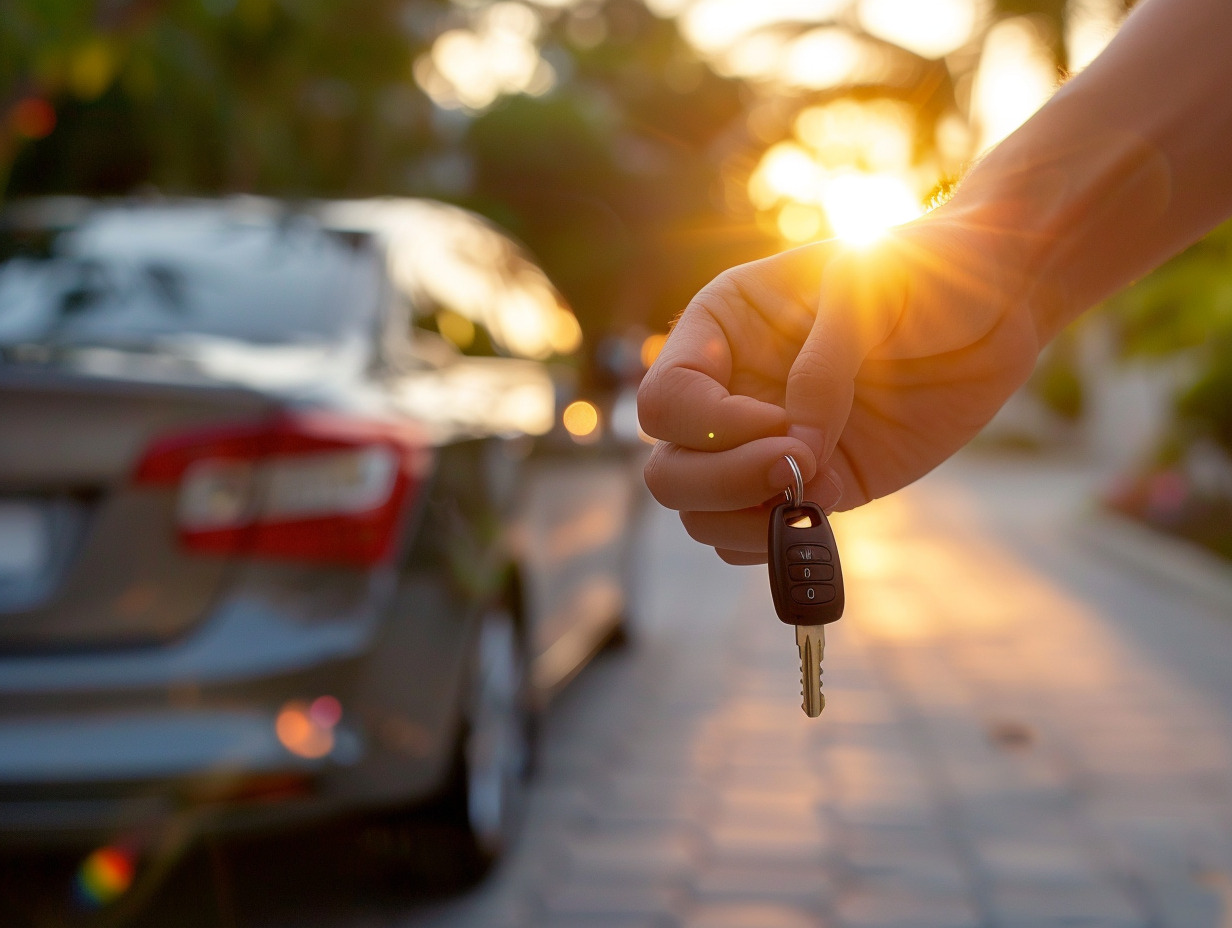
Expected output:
{"points": [[811, 640]]}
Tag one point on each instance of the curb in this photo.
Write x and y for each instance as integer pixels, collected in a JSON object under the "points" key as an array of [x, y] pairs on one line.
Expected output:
{"points": [[1181, 564]]}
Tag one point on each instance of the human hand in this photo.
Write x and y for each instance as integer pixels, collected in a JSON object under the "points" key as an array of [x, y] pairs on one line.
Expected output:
{"points": [[870, 366]]}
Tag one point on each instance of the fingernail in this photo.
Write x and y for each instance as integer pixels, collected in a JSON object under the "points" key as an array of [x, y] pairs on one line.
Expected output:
{"points": [[829, 490], [781, 475], [814, 438]]}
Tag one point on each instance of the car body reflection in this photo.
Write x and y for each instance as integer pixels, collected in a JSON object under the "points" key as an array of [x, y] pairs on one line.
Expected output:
{"points": [[273, 547]]}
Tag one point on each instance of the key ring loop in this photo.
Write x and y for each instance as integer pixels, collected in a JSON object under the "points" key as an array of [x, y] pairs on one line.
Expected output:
{"points": [[798, 498]]}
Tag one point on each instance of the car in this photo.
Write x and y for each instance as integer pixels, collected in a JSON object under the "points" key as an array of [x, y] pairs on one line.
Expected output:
{"points": [[289, 524]]}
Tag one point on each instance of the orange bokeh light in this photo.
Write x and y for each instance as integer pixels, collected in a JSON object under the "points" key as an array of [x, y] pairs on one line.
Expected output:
{"points": [[651, 347], [300, 733], [581, 420], [33, 118]]}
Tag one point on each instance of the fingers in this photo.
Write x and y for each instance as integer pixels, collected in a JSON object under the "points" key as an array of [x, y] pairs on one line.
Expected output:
{"points": [[690, 408], [742, 532], [740, 558], [857, 309], [684, 398], [739, 537], [681, 478]]}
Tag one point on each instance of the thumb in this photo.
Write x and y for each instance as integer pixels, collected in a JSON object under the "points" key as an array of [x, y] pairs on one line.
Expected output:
{"points": [[858, 306]]}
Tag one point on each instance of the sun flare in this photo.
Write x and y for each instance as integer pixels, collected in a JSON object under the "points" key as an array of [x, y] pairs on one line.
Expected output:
{"points": [[848, 171], [863, 207]]}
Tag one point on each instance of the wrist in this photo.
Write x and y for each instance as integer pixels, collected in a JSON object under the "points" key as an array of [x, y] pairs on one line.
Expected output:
{"points": [[1014, 220]]}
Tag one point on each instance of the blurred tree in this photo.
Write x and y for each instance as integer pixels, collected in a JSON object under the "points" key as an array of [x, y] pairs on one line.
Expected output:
{"points": [[1185, 306], [618, 143], [606, 178]]}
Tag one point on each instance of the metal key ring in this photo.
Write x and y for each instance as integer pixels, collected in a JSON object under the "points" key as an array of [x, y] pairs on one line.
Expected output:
{"points": [[799, 496]]}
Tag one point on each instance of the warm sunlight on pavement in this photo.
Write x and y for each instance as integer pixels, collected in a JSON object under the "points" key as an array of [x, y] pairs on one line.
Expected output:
{"points": [[1001, 745]]}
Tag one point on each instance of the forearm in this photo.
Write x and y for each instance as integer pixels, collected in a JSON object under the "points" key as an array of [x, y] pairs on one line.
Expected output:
{"points": [[1126, 165]]}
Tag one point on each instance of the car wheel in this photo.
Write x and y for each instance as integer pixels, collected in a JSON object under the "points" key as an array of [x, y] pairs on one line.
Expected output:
{"points": [[451, 842], [497, 739]]}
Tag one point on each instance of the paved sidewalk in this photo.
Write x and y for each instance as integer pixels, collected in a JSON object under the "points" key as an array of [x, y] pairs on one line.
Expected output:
{"points": [[1020, 731]]}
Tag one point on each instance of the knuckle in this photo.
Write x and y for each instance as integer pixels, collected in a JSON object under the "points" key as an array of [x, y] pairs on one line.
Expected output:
{"points": [[695, 524], [657, 480], [650, 402], [663, 401], [814, 372]]}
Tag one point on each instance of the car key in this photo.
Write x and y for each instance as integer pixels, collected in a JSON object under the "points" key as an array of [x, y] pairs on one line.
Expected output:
{"points": [[806, 581]]}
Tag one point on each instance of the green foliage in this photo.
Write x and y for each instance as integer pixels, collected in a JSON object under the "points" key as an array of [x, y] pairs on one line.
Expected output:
{"points": [[606, 178], [1186, 306], [1205, 408], [1056, 380]]}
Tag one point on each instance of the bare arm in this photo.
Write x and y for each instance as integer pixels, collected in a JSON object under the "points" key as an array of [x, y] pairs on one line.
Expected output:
{"points": [[873, 366], [1127, 164]]}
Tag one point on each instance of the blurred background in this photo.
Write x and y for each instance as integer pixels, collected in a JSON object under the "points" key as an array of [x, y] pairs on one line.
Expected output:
{"points": [[634, 149]]}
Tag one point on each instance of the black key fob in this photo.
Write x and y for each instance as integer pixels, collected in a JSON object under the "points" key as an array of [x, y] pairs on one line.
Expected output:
{"points": [[806, 579]]}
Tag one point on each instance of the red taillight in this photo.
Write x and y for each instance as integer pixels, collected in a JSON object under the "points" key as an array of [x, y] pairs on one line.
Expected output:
{"points": [[315, 488]]}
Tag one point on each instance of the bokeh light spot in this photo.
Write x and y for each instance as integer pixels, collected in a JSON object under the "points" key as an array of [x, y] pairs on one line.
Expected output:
{"points": [[325, 711], [581, 420], [470, 68], [930, 28], [799, 222], [1015, 77], [455, 328], [33, 118], [104, 876], [651, 346], [300, 733]]}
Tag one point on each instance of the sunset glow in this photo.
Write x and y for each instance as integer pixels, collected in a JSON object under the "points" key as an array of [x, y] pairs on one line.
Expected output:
{"points": [[930, 28], [848, 172], [1015, 77], [862, 207]]}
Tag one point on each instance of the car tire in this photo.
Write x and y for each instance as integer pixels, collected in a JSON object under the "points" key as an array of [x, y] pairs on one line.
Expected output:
{"points": [[496, 745], [450, 843]]}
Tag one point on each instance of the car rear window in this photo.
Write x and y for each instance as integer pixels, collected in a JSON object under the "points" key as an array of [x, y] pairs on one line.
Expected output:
{"points": [[135, 275]]}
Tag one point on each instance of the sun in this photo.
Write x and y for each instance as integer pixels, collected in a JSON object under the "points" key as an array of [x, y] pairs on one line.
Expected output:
{"points": [[862, 207], [848, 170]]}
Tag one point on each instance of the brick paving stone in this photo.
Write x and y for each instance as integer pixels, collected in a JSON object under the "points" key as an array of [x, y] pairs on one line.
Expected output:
{"points": [[807, 886], [633, 852], [805, 842], [1051, 863], [1072, 921], [915, 860], [751, 915], [594, 896], [593, 921], [881, 908], [766, 804], [1094, 904], [913, 875], [999, 748]]}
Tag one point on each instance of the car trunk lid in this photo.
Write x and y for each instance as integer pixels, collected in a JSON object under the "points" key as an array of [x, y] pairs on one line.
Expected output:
{"points": [[88, 557]]}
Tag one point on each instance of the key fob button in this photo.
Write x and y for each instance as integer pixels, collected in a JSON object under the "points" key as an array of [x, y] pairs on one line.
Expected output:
{"points": [[806, 576], [812, 593], [801, 554], [810, 572]]}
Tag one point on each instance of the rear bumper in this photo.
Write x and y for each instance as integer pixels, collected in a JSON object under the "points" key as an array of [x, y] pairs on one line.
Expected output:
{"points": [[86, 759], [158, 745], [141, 777], [137, 774]]}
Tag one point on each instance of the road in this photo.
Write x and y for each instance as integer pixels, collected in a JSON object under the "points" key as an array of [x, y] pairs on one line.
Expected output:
{"points": [[1027, 724]]}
